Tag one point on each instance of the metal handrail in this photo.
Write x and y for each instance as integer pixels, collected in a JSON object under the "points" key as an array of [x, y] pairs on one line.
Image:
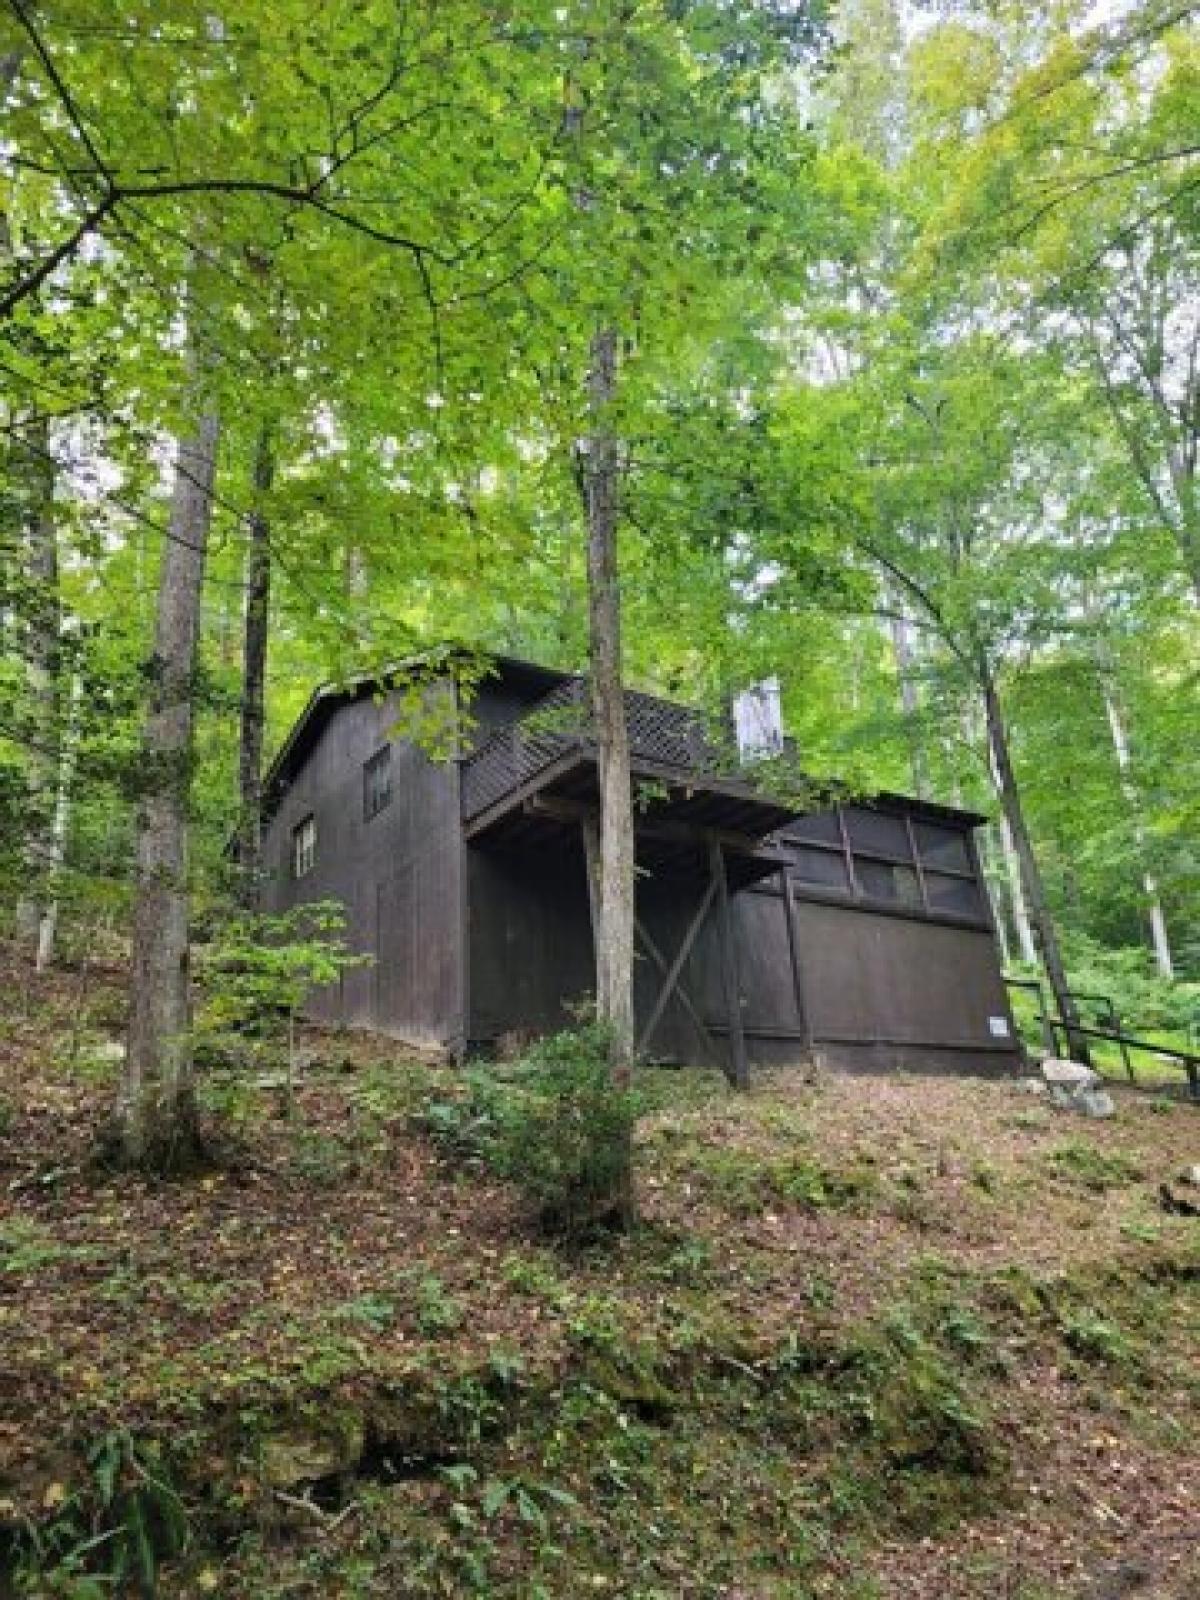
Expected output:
{"points": [[1052, 1026], [1189, 1063], [1109, 1014]]}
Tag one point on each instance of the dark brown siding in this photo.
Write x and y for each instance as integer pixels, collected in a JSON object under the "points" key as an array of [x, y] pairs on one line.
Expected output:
{"points": [[530, 940], [769, 1000], [881, 989], [399, 875], [911, 990], [896, 955]]}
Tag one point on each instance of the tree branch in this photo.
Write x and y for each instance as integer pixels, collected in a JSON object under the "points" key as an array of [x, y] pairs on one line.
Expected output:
{"points": [[65, 97]]}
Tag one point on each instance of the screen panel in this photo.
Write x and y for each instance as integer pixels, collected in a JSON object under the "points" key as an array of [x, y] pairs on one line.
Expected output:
{"points": [[957, 895], [822, 827], [824, 868], [890, 881], [876, 833], [941, 847]]}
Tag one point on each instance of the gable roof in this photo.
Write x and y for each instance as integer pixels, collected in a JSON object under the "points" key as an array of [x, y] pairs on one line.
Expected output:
{"points": [[329, 698]]}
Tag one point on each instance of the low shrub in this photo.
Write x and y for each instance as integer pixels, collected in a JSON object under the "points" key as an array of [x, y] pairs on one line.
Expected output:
{"points": [[554, 1123]]}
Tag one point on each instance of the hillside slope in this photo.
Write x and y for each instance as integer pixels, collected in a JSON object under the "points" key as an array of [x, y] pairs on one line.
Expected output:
{"points": [[873, 1339]]}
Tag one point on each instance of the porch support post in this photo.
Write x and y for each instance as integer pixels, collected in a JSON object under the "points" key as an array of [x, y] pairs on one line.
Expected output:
{"points": [[671, 973], [739, 1071], [591, 859], [793, 936]]}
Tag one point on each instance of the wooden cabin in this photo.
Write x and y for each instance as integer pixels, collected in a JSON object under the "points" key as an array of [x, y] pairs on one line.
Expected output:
{"points": [[765, 930]]}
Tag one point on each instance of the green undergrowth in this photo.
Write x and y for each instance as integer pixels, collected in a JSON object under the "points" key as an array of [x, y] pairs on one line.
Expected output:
{"points": [[745, 1182], [641, 1452], [631, 1453], [372, 1357], [554, 1124], [1078, 1161]]}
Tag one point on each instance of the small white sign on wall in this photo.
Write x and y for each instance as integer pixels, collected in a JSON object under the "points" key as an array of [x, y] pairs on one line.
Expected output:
{"points": [[998, 1027]]}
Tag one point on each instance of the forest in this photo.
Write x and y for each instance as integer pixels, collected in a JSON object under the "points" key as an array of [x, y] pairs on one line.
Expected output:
{"points": [[688, 345]]}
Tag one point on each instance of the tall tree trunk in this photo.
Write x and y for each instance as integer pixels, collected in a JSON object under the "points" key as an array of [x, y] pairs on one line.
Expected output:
{"points": [[43, 650], [48, 912], [1012, 870], [1009, 861], [998, 871], [1160, 942], [613, 884], [614, 946], [1031, 876], [155, 1115], [254, 668], [1181, 463]]}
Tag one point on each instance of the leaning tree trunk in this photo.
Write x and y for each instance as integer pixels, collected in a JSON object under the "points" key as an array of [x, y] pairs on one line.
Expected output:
{"points": [[155, 1116], [43, 650], [1160, 942], [254, 666], [1031, 876], [1012, 871], [1016, 892], [906, 672], [995, 883], [614, 941]]}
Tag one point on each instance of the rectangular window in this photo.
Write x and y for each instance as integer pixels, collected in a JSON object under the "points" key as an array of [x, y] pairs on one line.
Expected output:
{"points": [[820, 827], [876, 833], [304, 847], [377, 783], [877, 862]]}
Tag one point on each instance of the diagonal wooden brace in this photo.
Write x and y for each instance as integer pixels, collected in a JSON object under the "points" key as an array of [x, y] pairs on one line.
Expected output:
{"points": [[671, 976], [685, 1000]]}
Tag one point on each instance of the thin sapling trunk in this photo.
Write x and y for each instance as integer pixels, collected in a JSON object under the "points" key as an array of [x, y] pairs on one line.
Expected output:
{"points": [[615, 876], [254, 667]]}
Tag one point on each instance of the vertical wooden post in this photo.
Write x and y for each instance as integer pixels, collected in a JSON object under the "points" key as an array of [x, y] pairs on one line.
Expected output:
{"points": [[918, 866], [848, 854], [591, 859], [739, 1073], [793, 935]]}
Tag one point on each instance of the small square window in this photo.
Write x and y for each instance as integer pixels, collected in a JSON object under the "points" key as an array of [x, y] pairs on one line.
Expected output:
{"points": [[304, 847], [377, 783]]}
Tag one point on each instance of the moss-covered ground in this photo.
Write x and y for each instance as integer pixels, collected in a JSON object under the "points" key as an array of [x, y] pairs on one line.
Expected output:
{"points": [[904, 1337]]}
